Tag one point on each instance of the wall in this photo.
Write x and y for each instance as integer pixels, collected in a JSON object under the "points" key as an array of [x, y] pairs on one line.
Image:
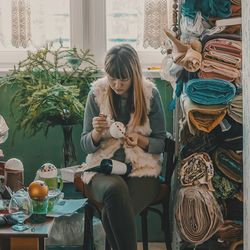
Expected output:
{"points": [[36, 150]]}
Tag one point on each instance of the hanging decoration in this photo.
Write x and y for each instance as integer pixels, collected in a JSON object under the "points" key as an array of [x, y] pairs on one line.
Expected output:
{"points": [[20, 19], [155, 19]]}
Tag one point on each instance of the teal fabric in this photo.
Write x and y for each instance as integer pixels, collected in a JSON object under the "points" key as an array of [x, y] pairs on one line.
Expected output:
{"points": [[208, 8], [210, 91]]}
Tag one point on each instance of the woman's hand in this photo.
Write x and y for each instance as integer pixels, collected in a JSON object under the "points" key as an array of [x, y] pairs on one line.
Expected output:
{"points": [[135, 139], [99, 124], [131, 140]]}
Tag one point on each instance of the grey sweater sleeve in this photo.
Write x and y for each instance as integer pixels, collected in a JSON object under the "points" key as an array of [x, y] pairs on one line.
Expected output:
{"points": [[157, 124], [91, 110]]}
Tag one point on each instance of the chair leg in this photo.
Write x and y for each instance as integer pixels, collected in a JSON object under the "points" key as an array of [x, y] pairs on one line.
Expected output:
{"points": [[166, 225], [144, 228], [88, 242], [107, 246]]}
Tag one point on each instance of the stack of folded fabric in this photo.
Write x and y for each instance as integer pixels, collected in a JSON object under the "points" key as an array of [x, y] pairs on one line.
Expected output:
{"points": [[221, 59], [210, 94]]}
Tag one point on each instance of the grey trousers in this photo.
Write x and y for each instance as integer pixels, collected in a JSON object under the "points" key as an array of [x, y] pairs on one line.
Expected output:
{"points": [[123, 199]]}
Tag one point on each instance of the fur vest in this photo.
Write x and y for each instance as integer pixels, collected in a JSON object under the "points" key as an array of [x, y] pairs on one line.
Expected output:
{"points": [[143, 163]]}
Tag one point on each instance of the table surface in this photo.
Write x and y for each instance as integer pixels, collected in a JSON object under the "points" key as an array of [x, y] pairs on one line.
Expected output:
{"points": [[36, 230]]}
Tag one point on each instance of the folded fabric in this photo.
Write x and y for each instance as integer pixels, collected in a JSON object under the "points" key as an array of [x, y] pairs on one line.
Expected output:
{"points": [[223, 58], [198, 215], [224, 187], [206, 142], [210, 91], [236, 10], [186, 55], [197, 169], [206, 38], [227, 46], [213, 69], [202, 117], [231, 138], [229, 163], [209, 8], [235, 109], [237, 2]]}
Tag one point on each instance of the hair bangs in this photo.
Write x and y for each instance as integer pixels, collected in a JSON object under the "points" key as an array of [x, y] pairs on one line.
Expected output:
{"points": [[119, 68]]}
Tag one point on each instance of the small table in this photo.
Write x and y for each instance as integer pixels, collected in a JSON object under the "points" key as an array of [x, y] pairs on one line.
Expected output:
{"points": [[32, 239]]}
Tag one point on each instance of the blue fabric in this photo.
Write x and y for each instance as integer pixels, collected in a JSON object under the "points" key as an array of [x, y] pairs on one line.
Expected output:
{"points": [[208, 8], [210, 91], [181, 80]]}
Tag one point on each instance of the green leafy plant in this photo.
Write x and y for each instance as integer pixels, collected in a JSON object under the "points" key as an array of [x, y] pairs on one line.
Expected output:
{"points": [[51, 86]]}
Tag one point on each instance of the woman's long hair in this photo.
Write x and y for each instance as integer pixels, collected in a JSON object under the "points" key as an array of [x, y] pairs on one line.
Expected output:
{"points": [[122, 62]]}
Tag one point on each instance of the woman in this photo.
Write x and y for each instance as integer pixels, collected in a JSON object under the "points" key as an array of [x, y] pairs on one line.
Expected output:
{"points": [[124, 95]]}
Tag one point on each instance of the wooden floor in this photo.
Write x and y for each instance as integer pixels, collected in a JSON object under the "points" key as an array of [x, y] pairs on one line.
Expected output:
{"points": [[153, 246]]}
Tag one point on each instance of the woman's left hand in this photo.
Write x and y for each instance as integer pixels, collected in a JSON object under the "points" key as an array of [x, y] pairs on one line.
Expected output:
{"points": [[131, 140]]}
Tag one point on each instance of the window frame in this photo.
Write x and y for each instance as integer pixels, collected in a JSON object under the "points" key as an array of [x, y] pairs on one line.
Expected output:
{"points": [[87, 30]]}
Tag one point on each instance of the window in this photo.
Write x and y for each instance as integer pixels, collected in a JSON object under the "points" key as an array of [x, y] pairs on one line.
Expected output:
{"points": [[125, 24], [30, 24], [93, 24]]}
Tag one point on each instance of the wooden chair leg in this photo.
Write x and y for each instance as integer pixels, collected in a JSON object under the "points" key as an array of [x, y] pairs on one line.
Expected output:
{"points": [[107, 246], [88, 242], [144, 224], [166, 225]]}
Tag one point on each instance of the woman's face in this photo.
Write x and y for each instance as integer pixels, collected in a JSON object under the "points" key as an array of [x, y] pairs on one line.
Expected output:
{"points": [[120, 86]]}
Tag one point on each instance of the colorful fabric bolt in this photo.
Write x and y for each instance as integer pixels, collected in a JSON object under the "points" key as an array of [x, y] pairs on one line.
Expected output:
{"points": [[202, 117], [210, 91], [186, 55], [197, 169], [229, 163], [202, 215], [224, 187], [208, 8], [235, 109]]}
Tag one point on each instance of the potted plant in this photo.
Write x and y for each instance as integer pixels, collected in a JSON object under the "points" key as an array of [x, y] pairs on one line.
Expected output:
{"points": [[51, 87]]}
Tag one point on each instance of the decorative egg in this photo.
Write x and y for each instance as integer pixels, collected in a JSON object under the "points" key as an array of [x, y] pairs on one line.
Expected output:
{"points": [[47, 170], [117, 130], [14, 164], [38, 190]]}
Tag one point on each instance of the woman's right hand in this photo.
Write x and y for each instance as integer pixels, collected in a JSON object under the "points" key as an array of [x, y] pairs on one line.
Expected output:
{"points": [[99, 124]]}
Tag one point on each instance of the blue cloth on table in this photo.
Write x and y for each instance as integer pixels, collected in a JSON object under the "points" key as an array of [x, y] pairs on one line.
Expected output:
{"points": [[210, 91]]}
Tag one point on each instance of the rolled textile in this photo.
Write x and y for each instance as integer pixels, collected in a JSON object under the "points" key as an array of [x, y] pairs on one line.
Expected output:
{"points": [[210, 91], [224, 187], [206, 142], [208, 8], [225, 51], [217, 70], [223, 58], [197, 169], [186, 55], [202, 117], [235, 109], [232, 138], [206, 38], [227, 46], [198, 215], [237, 2], [229, 163]]}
